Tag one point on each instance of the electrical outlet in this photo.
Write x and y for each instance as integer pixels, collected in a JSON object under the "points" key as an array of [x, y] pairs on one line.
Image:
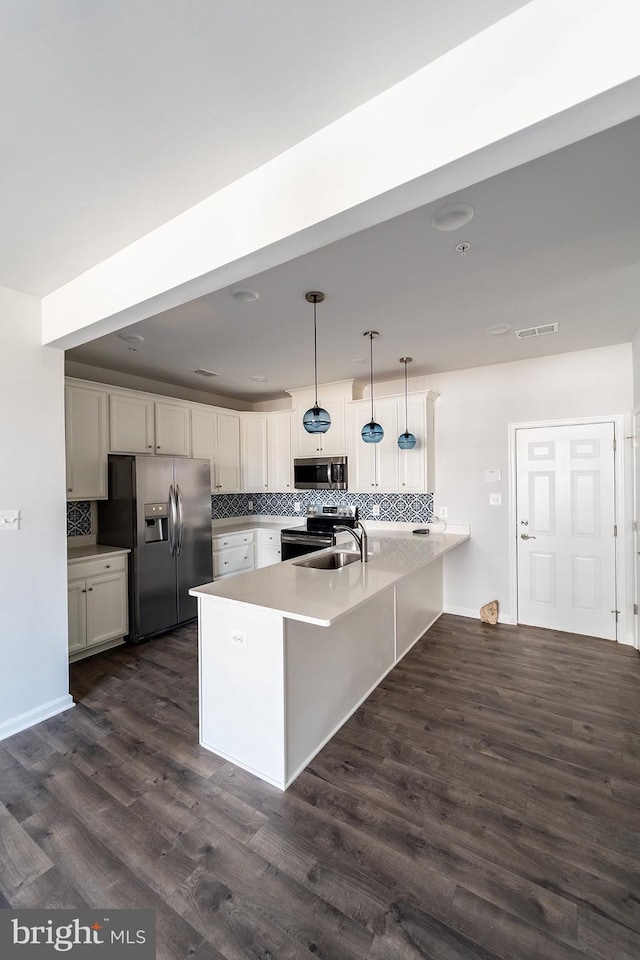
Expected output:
{"points": [[9, 519], [239, 639], [443, 513], [296, 506], [375, 510], [495, 500], [250, 504]]}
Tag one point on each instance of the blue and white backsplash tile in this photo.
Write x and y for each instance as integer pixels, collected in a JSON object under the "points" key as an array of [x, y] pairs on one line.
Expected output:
{"points": [[403, 507], [79, 518]]}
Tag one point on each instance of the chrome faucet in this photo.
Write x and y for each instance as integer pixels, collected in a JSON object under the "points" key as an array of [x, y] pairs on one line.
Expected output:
{"points": [[361, 540]]}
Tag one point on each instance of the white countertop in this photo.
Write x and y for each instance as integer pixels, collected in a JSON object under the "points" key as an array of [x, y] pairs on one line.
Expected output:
{"points": [[92, 551], [259, 522], [323, 596]]}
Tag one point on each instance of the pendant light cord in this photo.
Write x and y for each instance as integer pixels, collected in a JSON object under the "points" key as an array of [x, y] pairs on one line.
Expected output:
{"points": [[406, 413], [315, 352], [371, 369]]}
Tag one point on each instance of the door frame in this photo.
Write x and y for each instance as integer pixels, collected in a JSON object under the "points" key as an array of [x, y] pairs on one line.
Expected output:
{"points": [[635, 442], [619, 509]]}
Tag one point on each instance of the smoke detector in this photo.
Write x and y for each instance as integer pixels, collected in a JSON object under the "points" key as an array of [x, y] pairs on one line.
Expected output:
{"points": [[540, 331]]}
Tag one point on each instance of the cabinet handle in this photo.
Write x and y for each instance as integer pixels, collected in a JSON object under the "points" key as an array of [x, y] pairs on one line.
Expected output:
{"points": [[108, 566], [150, 446], [158, 447], [69, 489], [226, 562], [90, 589], [84, 590], [404, 484]]}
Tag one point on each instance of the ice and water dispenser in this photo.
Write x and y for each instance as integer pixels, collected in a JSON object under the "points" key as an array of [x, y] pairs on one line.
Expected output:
{"points": [[156, 522]]}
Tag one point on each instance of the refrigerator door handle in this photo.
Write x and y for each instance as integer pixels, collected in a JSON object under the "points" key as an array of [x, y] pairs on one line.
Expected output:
{"points": [[180, 517], [173, 521]]}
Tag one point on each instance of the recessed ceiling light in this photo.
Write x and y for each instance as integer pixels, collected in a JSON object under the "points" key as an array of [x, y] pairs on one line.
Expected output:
{"points": [[498, 328], [452, 216], [131, 337], [258, 379], [245, 295]]}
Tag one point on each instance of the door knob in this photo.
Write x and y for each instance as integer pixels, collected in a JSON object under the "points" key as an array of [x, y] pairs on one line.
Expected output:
{"points": [[525, 536]]}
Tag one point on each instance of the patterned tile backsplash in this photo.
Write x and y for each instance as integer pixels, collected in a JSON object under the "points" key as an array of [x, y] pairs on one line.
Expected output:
{"points": [[407, 507], [79, 518], [393, 506]]}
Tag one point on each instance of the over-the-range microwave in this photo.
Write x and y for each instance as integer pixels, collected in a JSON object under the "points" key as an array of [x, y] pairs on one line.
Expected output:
{"points": [[320, 473]]}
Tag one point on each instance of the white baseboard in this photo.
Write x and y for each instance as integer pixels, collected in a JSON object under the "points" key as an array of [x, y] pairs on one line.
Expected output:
{"points": [[25, 720], [474, 614]]}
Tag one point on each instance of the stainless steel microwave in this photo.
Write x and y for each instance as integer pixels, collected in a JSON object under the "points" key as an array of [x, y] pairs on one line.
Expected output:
{"points": [[320, 473]]}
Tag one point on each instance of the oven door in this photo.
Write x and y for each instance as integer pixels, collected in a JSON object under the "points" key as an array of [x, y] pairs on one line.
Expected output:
{"points": [[294, 545]]}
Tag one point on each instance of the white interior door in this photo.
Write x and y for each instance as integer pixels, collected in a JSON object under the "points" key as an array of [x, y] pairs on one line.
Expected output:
{"points": [[565, 500], [636, 525]]}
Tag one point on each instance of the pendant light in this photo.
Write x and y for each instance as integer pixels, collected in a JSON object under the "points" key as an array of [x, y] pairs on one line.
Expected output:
{"points": [[372, 432], [406, 440], [316, 419]]}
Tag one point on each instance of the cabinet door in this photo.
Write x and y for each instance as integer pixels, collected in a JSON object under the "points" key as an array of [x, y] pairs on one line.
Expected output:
{"points": [[412, 464], [227, 465], [332, 443], [77, 615], [203, 439], [279, 459], [130, 424], [173, 436], [86, 443], [106, 608], [362, 456], [387, 451], [254, 453]]}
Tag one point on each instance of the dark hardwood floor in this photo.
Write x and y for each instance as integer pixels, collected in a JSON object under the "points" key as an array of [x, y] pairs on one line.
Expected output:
{"points": [[483, 803]]}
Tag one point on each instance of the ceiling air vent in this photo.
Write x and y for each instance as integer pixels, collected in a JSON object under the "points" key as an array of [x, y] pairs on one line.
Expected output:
{"points": [[529, 332], [206, 373]]}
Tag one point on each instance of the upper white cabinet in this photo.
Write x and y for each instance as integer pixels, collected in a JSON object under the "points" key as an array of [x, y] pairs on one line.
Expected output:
{"points": [[383, 467], [333, 397], [215, 436], [140, 424], [279, 459], [86, 439], [253, 431]]}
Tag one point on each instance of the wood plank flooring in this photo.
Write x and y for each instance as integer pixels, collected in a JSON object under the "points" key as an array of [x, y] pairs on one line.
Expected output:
{"points": [[483, 803]]}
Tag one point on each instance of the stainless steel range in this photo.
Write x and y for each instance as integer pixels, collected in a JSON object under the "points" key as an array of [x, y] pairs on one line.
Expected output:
{"points": [[319, 530]]}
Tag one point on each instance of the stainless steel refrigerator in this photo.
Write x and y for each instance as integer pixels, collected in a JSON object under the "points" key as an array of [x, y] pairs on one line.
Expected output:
{"points": [[159, 507]]}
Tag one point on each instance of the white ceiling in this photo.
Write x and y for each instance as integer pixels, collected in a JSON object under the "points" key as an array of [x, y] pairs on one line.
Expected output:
{"points": [[119, 115], [557, 239]]}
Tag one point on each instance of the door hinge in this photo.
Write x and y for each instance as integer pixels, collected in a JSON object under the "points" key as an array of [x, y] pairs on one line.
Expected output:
{"points": [[635, 609], [615, 446], [615, 529], [634, 526]]}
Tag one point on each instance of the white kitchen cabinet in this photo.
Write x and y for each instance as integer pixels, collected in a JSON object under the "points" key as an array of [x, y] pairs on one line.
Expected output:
{"points": [[232, 553], [97, 605], [253, 432], [86, 442], [267, 547], [383, 467], [333, 443], [215, 436], [279, 458], [140, 424]]}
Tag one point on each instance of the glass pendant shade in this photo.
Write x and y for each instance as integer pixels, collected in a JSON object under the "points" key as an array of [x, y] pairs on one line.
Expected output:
{"points": [[316, 420], [372, 432], [406, 441]]}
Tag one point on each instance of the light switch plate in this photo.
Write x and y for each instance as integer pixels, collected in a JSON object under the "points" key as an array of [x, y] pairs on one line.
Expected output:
{"points": [[9, 519], [495, 499]]}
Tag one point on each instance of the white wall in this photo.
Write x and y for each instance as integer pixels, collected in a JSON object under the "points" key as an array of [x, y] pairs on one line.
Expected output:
{"points": [[473, 416], [34, 679], [635, 346]]}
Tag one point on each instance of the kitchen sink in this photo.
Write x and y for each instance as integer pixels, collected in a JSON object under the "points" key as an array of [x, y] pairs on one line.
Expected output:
{"points": [[330, 561]]}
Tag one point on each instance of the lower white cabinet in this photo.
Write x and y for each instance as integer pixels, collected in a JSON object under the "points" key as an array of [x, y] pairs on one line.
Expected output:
{"points": [[232, 553], [97, 604], [267, 547]]}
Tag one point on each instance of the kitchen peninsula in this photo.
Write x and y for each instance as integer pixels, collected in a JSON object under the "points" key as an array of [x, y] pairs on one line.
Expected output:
{"points": [[287, 653]]}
